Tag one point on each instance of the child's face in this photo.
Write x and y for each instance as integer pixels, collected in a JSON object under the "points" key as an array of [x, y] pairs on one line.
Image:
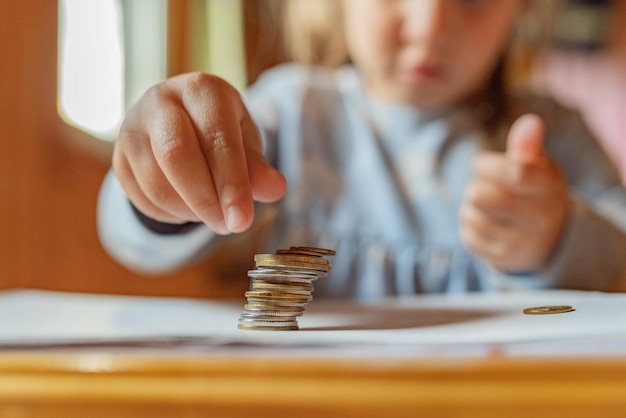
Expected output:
{"points": [[429, 53]]}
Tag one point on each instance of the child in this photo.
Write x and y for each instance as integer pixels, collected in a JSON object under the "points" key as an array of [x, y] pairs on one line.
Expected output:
{"points": [[400, 161]]}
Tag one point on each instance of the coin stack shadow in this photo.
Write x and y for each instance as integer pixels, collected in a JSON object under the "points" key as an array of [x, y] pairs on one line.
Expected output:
{"points": [[281, 285]]}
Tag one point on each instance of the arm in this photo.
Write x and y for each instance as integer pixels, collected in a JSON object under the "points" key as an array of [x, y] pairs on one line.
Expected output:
{"points": [[592, 251], [561, 220], [139, 247], [515, 208], [188, 151]]}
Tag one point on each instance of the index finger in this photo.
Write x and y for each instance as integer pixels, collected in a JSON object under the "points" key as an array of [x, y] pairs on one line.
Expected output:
{"points": [[177, 151], [216, 111]]}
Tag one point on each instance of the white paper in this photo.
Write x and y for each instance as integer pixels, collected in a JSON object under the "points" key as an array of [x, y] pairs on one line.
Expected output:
{"points": [[435, 324]]}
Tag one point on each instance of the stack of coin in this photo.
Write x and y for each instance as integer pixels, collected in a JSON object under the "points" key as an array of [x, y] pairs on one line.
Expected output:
{"points": [[281, 285]]}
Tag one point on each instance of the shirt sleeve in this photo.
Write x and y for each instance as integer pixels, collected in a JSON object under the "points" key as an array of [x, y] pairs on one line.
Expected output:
{"points": [[147, 246], [138, 246], [592, 251], [589, 256]]}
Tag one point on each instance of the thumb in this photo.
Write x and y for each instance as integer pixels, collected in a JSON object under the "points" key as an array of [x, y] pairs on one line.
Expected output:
{"points": [[525, 139], [267, 183]]}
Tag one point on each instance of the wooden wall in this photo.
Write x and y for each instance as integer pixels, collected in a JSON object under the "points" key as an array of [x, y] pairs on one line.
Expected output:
{"points": [[49, 181]]}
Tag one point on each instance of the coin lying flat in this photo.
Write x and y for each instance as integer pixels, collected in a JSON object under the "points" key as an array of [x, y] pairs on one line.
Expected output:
{"points": [[282, 289], [272, 284], [249, 323], [548, 310], [267, 311], [296, 265], [280, 286], [284, 276], [262, 327], [322, 251], [298, 258], [260, 307], [299, 252], [256, 295]]}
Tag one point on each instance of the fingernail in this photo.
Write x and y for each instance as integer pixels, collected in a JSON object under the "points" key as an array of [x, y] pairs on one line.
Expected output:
{"points": [[235, 219], [222, 229]]}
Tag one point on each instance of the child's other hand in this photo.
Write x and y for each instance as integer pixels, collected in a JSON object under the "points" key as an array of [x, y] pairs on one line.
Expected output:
{"points": [[189, 151], [516, 205]]}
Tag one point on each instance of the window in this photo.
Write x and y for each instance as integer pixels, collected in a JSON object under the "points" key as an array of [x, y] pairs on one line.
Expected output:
{"points": [[91, 71], [112, 51]]}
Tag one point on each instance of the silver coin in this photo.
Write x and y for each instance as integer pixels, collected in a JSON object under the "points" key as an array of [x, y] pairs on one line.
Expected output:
{"points": [[267, 328], [270, 312], [261, 272], [293, 265], [273, 307], [265, 317], [265, 323], [292, 278]]}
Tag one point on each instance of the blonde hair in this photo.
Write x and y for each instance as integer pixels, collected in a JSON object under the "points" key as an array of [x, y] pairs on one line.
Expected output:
{"points": [[313, 31]]}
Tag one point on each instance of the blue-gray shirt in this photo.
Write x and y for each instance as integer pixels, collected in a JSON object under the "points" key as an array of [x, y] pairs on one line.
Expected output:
{"points": [[382, 184]]}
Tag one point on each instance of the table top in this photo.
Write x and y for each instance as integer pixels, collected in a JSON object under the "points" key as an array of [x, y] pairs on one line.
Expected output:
{"points": [[73, 355], [98, 384]]}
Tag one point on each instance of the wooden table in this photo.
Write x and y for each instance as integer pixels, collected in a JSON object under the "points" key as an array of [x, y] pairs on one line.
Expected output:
{"points": [[36, 384]]}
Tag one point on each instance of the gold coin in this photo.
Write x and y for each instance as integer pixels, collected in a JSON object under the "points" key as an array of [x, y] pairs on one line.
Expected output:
{"points": [[276, 304], [291, 258], [266, 293], [281, 289], [548, 310], [271, 298], [284, 285], [322, 251], [299, 252]]}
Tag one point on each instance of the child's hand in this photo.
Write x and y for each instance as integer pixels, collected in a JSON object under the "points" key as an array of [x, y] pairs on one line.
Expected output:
{"points": [[516, 206], [189, 151]]}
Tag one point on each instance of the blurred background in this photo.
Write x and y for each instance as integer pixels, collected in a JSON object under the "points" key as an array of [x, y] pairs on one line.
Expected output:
{"points": [[70, 69]]}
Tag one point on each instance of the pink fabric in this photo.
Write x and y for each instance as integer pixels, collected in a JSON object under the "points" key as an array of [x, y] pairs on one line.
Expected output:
{"points": [[595, 84]]}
